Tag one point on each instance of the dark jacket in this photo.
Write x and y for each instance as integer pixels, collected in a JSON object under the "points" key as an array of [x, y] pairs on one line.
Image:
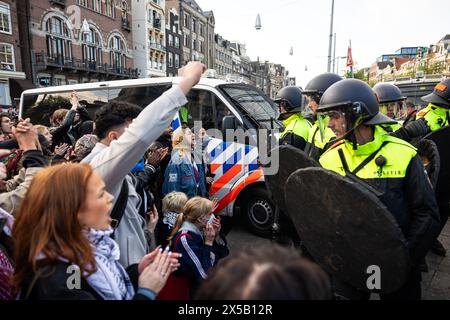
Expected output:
{"points": [[142, 181], [406, 190], [67, 131], [54, 285], [197, 258]]}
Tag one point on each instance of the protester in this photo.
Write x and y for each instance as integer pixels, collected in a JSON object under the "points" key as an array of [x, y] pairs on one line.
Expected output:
{"points": [[172, 206], [62, 225], [196, 235], [84, 147], [6, 125], [266, 273], [6, 263], [183, 173], [66, 123], [32, 161], [60, 150]]}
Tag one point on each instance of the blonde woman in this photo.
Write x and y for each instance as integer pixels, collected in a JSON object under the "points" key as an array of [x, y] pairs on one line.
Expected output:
{"points": [[196, 235], [172, 206], [183, 173]]}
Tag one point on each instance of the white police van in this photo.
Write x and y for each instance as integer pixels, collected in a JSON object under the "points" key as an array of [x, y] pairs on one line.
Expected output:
{"points": [[238, 177]]}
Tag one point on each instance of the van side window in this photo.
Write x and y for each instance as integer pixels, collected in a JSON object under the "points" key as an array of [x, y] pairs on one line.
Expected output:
{"points": [[221, 110], [199, 108]]}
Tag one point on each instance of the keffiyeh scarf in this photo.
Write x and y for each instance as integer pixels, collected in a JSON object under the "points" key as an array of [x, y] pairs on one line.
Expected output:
{"points": [[110, 280]]}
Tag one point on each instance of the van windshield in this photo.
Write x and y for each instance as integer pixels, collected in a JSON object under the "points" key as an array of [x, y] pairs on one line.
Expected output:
{"points": [[255, 104]]}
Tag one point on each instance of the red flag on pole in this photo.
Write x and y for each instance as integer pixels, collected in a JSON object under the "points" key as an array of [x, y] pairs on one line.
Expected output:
{"points": [[349, 57]]}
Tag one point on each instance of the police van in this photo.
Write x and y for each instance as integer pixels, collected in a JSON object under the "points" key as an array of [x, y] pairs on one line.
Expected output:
{"points": [[238, 176]]}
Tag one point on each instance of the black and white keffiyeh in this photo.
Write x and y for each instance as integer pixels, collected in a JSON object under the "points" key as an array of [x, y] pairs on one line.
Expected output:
{"points": [[110, 280]]}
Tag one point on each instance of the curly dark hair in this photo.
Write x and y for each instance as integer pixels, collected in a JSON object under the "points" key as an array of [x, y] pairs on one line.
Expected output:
{"points": [[113, 115]]}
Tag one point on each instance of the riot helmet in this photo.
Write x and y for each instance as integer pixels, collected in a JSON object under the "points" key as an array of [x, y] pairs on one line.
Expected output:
{"points": [[355, 102], [290, 98], [440, 95], [392, 101], [318, 85]]}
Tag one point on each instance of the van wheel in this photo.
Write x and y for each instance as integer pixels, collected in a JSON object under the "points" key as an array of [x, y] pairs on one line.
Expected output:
{"points": [[258, 211]]}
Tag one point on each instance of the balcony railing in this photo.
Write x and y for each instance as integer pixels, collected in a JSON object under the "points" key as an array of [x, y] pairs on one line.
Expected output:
{"points": [[157, 46], [42, 61]]}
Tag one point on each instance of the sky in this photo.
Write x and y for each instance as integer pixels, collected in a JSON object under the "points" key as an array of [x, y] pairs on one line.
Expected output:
{"points": [[375, 27]]}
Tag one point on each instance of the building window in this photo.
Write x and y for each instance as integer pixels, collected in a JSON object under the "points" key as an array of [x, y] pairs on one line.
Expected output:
{"points": [[186, 40], [194, 25], [5, 18], [156, 20], [7, 57], [177, 42], [117, 53], [177, 61], [110, 9], [170, 59], [83, 3], [170, 40], [200, 27], [194, 44], [59, 44], [92, 48], [186, 20], [97, 6], [200, 46]]}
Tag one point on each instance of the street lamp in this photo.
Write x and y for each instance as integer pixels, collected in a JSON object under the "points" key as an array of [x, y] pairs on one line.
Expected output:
{"points": [[331, 37]]}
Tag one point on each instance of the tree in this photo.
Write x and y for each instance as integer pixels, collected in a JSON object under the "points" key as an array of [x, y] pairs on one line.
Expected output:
{"points": [[357, 75]]}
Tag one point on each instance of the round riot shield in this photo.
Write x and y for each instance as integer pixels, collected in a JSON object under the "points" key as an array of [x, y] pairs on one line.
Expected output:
{"points": [[441, 138], [347, 230], [290, 160]]}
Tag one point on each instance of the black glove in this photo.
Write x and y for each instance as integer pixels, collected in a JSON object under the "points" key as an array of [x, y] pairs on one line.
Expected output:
{"points": [[414, 129], [429, 154]]}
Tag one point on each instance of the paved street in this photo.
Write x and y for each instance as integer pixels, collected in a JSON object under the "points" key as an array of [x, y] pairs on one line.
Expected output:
{"points": [[435, 284]]}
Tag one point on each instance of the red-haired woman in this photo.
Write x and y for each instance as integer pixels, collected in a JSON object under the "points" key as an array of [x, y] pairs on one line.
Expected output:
{"points": [[63, 246]]}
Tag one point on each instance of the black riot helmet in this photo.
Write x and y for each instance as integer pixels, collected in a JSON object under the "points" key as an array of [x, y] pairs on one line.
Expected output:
{"points": [[318, 85], [292, 97], [357, 100], [440, 95], [387, 93]]}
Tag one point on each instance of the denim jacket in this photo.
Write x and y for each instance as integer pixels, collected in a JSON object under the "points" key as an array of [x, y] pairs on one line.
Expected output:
{"points": [[180, 176]]}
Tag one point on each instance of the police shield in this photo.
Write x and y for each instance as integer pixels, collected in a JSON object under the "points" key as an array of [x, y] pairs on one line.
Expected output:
{"points": [[441, 138], [347, 230], [290, 160]]}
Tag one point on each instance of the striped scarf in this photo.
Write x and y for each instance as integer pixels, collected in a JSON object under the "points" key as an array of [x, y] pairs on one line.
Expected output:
{"points": [[110, 280]]}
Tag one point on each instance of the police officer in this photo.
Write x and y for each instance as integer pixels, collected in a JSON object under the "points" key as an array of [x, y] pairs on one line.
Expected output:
{"points": [[290, 103], [319, 135], [437, 115], [384, 162], [392, 104], [391, 99]]}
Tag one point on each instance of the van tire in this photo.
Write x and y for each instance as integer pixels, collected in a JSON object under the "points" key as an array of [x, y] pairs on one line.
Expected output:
{"points": [[258, 211]]}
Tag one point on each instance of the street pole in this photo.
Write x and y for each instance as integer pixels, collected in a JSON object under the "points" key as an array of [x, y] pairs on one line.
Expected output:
{"points": [[334, 53], [331, 36]]}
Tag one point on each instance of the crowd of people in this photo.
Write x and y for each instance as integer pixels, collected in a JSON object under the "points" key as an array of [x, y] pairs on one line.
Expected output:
{"points": [[116, 207]]}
